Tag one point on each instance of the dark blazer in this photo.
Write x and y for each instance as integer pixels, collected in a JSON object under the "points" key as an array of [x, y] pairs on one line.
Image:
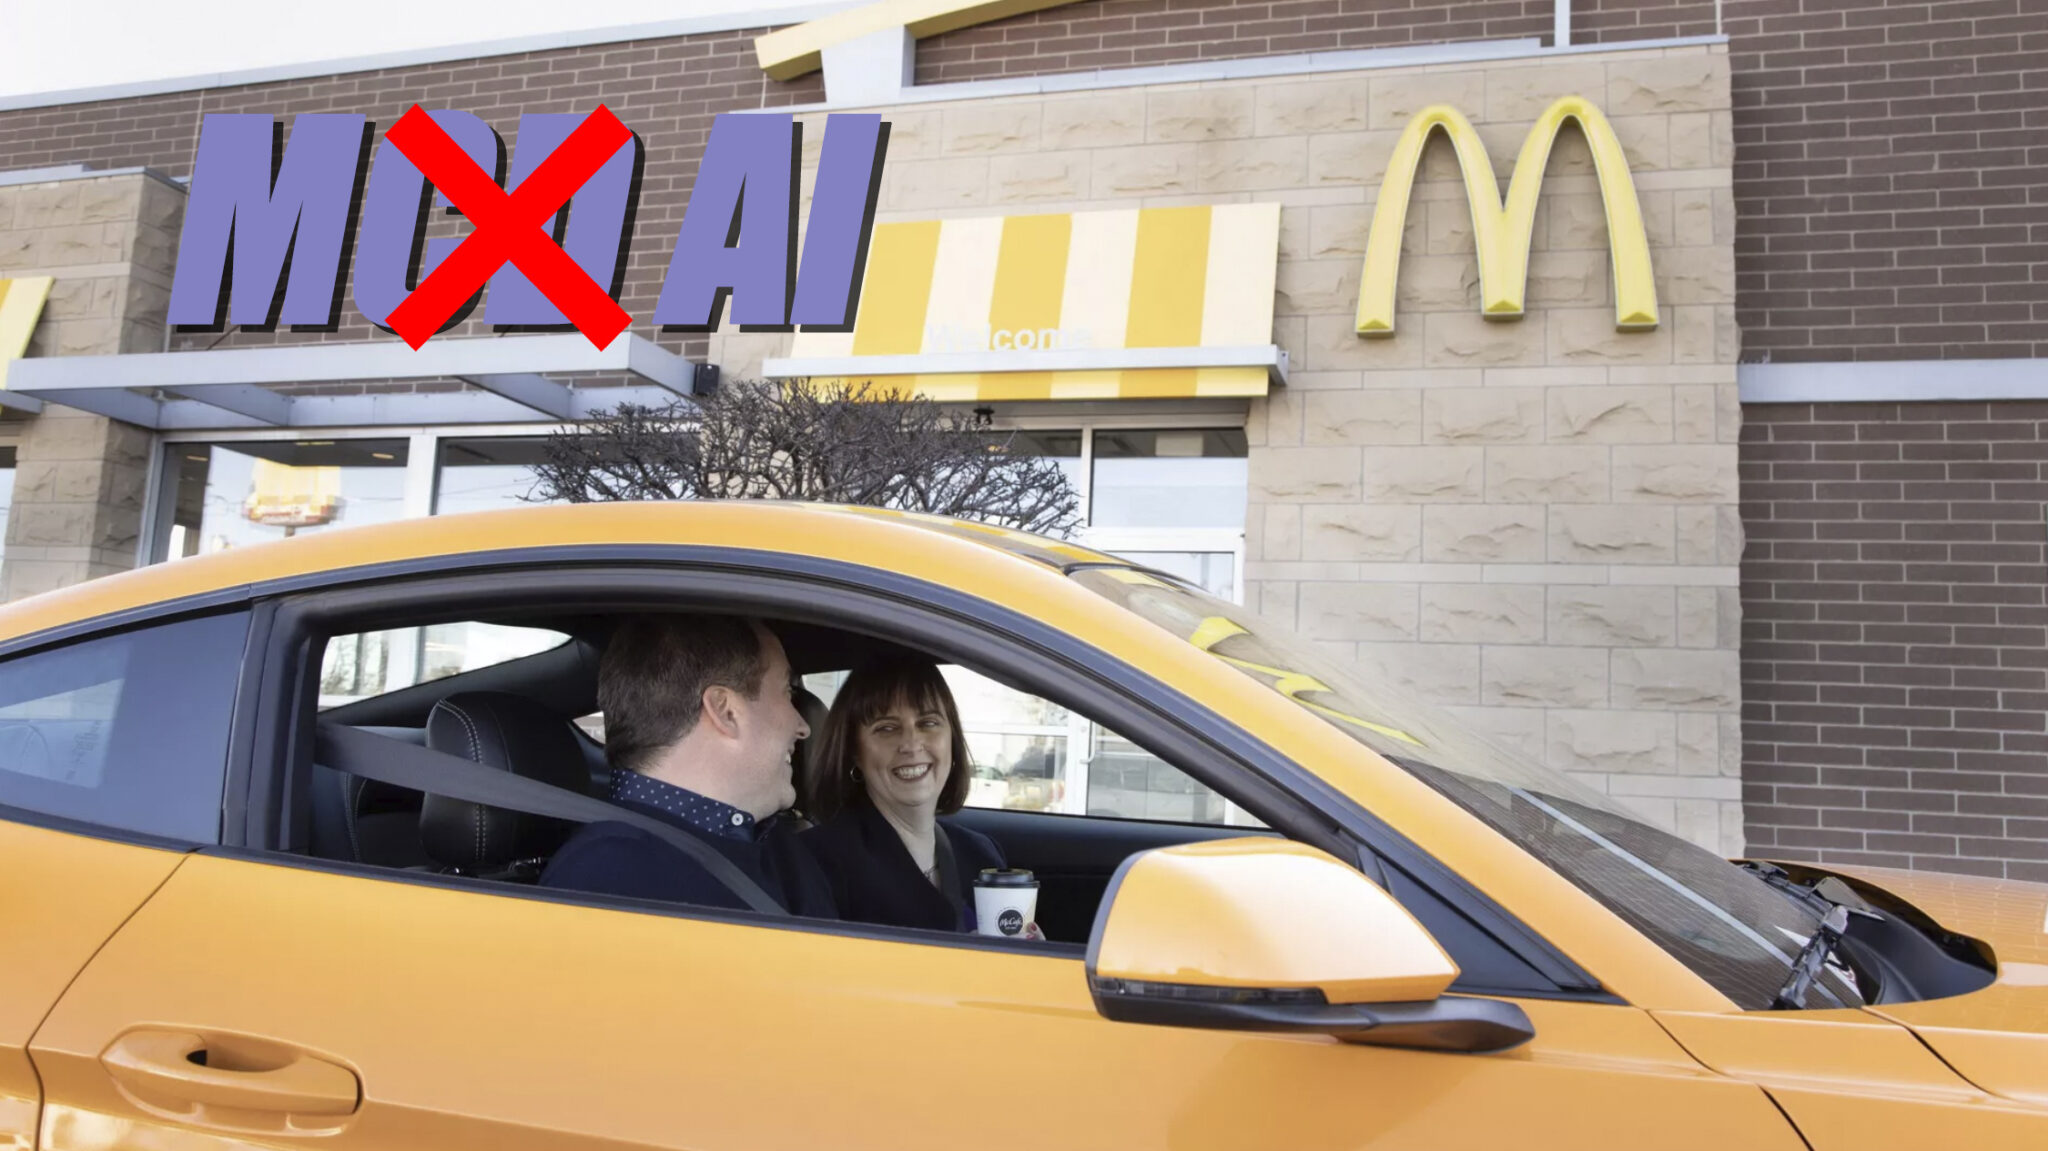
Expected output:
{"points": [[620, 859], [874, 880]]}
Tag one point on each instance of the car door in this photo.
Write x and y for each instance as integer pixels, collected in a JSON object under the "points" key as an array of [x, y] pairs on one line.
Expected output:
{"points": [[61, 896], [478, 1019], [112, 756]]}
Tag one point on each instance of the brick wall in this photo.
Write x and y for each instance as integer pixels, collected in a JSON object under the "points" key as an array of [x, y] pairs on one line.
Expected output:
{"points": [[1895, 646], [665, 90], [1133, 33], [1891, 178], [1607, 21]]}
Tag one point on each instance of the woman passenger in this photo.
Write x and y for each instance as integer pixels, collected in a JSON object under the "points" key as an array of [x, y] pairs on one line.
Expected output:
{"points": [[891, 761]]}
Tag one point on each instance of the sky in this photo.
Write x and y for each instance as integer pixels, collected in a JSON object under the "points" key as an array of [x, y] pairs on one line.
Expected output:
{"points": [[59, 45]]}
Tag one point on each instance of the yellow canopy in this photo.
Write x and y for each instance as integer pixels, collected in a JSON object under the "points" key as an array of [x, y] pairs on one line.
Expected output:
{"points": [[1130, 303]]}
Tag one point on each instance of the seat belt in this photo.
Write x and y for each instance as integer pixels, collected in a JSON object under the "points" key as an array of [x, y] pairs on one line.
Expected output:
{"points": [[408, 765]]}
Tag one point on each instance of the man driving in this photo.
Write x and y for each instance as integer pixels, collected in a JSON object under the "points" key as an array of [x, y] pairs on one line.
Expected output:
{"points": [[700, 731]]}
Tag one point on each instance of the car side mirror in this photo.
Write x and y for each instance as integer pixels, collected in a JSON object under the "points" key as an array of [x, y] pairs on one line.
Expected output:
{"points": [[1262, 934]]}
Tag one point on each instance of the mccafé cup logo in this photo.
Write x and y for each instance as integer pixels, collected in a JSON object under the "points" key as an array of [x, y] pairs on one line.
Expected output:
{"points": [[269, 225]]}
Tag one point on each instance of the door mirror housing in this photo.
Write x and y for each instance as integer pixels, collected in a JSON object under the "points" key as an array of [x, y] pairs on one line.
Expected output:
{"points": [[1260, 934]]}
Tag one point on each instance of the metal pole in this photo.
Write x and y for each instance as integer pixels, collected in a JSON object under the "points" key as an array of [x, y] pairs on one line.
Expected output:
{"points": [[1561, 26]]}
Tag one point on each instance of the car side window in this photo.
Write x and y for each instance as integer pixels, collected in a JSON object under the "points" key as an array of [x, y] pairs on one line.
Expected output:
{"points": [[1031, 754], [128, 731]]}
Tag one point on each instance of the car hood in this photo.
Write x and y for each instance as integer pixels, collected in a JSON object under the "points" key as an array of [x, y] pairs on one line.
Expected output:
{"points": [[1996, 1037]]}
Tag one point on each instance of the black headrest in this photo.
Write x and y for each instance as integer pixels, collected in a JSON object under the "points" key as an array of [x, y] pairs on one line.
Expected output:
{"points": [[511, 733]]}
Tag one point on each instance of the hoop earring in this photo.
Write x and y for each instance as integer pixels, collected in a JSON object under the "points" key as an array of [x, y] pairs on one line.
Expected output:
{"points": [[853, 774]]}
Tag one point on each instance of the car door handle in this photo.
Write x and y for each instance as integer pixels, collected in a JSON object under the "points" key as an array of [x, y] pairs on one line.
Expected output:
{"points": [[185, 1071]]}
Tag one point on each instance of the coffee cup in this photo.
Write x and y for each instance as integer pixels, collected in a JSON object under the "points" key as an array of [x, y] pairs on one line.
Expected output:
{"points": [[1005, 901]]}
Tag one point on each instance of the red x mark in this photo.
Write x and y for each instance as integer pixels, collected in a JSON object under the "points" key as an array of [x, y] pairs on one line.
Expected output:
{"points": [[508, 227]]}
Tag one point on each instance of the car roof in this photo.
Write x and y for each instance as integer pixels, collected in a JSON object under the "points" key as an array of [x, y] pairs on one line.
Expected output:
{"points": [[876, 537]]}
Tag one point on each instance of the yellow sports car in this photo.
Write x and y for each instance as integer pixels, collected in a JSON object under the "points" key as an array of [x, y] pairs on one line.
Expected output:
{"points": [[1283, 907]]}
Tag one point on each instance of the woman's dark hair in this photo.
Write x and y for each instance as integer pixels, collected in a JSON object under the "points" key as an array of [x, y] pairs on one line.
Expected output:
{"points": [[871, 691]]}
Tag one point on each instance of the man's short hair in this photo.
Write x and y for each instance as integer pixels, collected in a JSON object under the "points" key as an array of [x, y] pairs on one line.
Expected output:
{"points": [[656, 669]]}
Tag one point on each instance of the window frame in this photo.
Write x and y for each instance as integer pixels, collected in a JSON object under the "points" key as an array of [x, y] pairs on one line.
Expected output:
{"points": [[952, 625]]}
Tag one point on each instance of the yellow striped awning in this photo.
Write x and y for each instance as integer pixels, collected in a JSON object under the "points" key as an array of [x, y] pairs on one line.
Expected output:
{"points": [[1122, 304], [21, 305]]}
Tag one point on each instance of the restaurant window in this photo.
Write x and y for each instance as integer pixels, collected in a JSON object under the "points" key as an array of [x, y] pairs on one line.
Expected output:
{"points": [[1063, 448], [488, 473], [230, 495], [1193, 478]]}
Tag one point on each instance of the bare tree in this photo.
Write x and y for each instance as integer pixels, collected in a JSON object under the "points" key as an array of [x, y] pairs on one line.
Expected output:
{"points": [[835, 443]]}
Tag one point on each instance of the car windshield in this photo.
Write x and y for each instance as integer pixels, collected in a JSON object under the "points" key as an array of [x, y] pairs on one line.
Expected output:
{"points": [[1733, 929]]}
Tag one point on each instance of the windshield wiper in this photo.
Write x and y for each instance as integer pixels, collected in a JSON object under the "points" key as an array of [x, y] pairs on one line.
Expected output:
{"points": [[1834, 902], [1806, 965], [1801, 893]]}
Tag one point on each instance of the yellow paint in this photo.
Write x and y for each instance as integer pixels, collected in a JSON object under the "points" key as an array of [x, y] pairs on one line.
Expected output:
{"points": [[485, 1021], [21, 305], [452, 1008], [1000, 568], [1851, 1079], [61, 896], [1168, 274], [1031, 272], [1502, 231], [1260, 913], [1997, 1038], [897, 289]]}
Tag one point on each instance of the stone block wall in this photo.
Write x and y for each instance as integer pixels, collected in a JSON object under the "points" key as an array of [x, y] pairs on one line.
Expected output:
{"points": [[1534, 522], [110, 242]]}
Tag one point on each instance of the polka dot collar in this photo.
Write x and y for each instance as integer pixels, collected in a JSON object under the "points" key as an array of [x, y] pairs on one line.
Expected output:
{"points": [[682, 807]]}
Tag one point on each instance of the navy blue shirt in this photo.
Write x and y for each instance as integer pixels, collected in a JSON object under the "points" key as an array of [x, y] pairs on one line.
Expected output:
{"points": [[620, 859]]}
